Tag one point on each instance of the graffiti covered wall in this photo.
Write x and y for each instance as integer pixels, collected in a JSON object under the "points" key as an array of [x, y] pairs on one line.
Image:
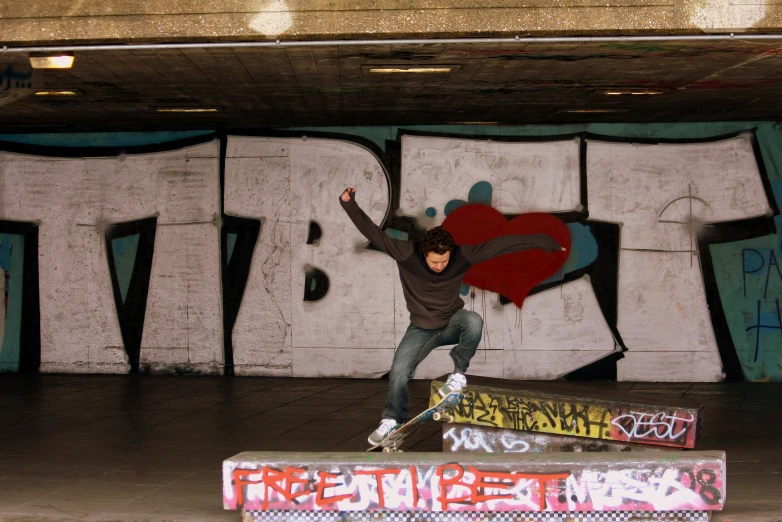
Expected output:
{"points": [[207, 253]]}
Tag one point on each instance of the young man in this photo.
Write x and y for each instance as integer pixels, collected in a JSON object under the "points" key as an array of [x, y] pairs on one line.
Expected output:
{"points": [[431, 273]]}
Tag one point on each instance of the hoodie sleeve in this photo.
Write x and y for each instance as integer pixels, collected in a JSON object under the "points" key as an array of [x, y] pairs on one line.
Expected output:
{"points": [[396, 248], [507, 245]]}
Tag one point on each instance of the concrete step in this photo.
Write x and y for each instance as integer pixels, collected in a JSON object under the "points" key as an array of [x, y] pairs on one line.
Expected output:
{"points": [[475, 482]]}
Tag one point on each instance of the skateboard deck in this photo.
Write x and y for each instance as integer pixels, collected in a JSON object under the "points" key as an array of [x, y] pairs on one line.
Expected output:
{"points": [[441, 412]]}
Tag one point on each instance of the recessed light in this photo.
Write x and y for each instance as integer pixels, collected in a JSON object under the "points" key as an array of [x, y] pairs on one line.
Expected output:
{"points": [[188, 109], [410, 70], [51, 61], [592, 110], [634, 92], [56, 93]]}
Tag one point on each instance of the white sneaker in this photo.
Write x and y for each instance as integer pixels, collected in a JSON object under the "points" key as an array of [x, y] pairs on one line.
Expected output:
{"points": [[455, 383], [387, 426]]}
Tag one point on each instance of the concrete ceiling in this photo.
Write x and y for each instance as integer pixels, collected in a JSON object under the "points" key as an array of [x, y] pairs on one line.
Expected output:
{"points": [[507, 83]]}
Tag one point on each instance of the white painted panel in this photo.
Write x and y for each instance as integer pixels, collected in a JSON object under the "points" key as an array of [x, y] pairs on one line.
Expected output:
{"points": [[525, 177], [656, 192], [640, 186], [547, 365], [73, 200], [662, 310], [567, 318], [669, 367], [356, 362], [251, 147], [182, 325], [259, 187], [358, 310], [662, 304]]}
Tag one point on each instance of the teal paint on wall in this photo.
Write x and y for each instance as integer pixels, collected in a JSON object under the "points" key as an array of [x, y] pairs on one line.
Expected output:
{"points": [[453, 205], [481, 193], [379, 135], [12, 261], [583, 251], [101, 139], [124, 249], [749, 279]]}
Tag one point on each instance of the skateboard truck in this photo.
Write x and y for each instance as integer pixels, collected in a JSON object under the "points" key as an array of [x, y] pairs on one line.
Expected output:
{"points": [[443, 416]]}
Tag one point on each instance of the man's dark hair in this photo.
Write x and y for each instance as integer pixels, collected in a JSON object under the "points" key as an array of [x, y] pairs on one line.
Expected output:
{"points": [[437, 240]]}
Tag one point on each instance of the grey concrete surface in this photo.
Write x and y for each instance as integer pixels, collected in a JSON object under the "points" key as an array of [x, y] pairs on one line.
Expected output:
{"points": [[149, 448], [77, 21]]}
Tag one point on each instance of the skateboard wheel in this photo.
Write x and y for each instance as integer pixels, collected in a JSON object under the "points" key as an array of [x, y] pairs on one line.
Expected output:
{"points": [[437, 416]]}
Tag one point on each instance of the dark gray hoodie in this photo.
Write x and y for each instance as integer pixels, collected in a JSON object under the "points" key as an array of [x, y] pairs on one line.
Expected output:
{"points": [[432, 297]]}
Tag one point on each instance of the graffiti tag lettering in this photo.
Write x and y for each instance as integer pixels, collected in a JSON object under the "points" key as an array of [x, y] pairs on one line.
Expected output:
{"points": [[637, 425]]}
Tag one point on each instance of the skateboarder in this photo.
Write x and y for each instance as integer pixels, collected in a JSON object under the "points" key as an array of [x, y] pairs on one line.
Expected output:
{"points": [[431, 273]]}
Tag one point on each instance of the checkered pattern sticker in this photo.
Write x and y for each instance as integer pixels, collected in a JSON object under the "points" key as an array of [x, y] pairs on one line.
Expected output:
{"points": [[402, 516]]}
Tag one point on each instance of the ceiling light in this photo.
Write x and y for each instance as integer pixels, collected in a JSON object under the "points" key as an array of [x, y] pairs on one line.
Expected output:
{"points": [[51, 61], [621, 92], [188, 109], [592, 110], [411, 70], [56, 93]]}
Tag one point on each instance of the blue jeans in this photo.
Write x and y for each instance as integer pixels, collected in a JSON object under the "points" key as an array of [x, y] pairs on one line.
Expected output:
{"points": [[464, 327]]}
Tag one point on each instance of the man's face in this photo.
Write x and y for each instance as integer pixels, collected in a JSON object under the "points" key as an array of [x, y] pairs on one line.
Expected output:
{"points": [[437, 262]]}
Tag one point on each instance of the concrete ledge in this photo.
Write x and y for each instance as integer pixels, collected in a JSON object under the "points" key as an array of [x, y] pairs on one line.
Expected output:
{"points": [[482, 439], [576, 412], [434, 482]]}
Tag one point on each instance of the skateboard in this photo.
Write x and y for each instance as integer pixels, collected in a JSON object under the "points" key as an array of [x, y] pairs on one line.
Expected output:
{"points": [[441, 412]]}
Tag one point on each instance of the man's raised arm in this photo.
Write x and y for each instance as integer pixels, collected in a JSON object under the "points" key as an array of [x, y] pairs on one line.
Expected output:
{"points": [[507, 245], [396, 248]]}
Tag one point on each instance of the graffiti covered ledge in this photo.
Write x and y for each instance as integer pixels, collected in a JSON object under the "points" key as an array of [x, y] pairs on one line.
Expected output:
{"points": [[598, 415], [438, 482]]}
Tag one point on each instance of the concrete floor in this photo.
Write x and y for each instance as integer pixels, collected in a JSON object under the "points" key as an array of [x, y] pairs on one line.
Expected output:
{"points": [[120, 448]]}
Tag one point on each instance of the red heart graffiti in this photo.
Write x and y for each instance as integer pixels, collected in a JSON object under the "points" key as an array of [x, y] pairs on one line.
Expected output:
{"points": [[511, 275]]}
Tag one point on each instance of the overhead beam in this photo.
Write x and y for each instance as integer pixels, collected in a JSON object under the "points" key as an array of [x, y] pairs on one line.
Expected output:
{"points": [[62, 21]]}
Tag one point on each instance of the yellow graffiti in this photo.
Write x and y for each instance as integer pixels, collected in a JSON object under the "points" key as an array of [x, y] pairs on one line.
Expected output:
{"points": [[544, 414]]}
